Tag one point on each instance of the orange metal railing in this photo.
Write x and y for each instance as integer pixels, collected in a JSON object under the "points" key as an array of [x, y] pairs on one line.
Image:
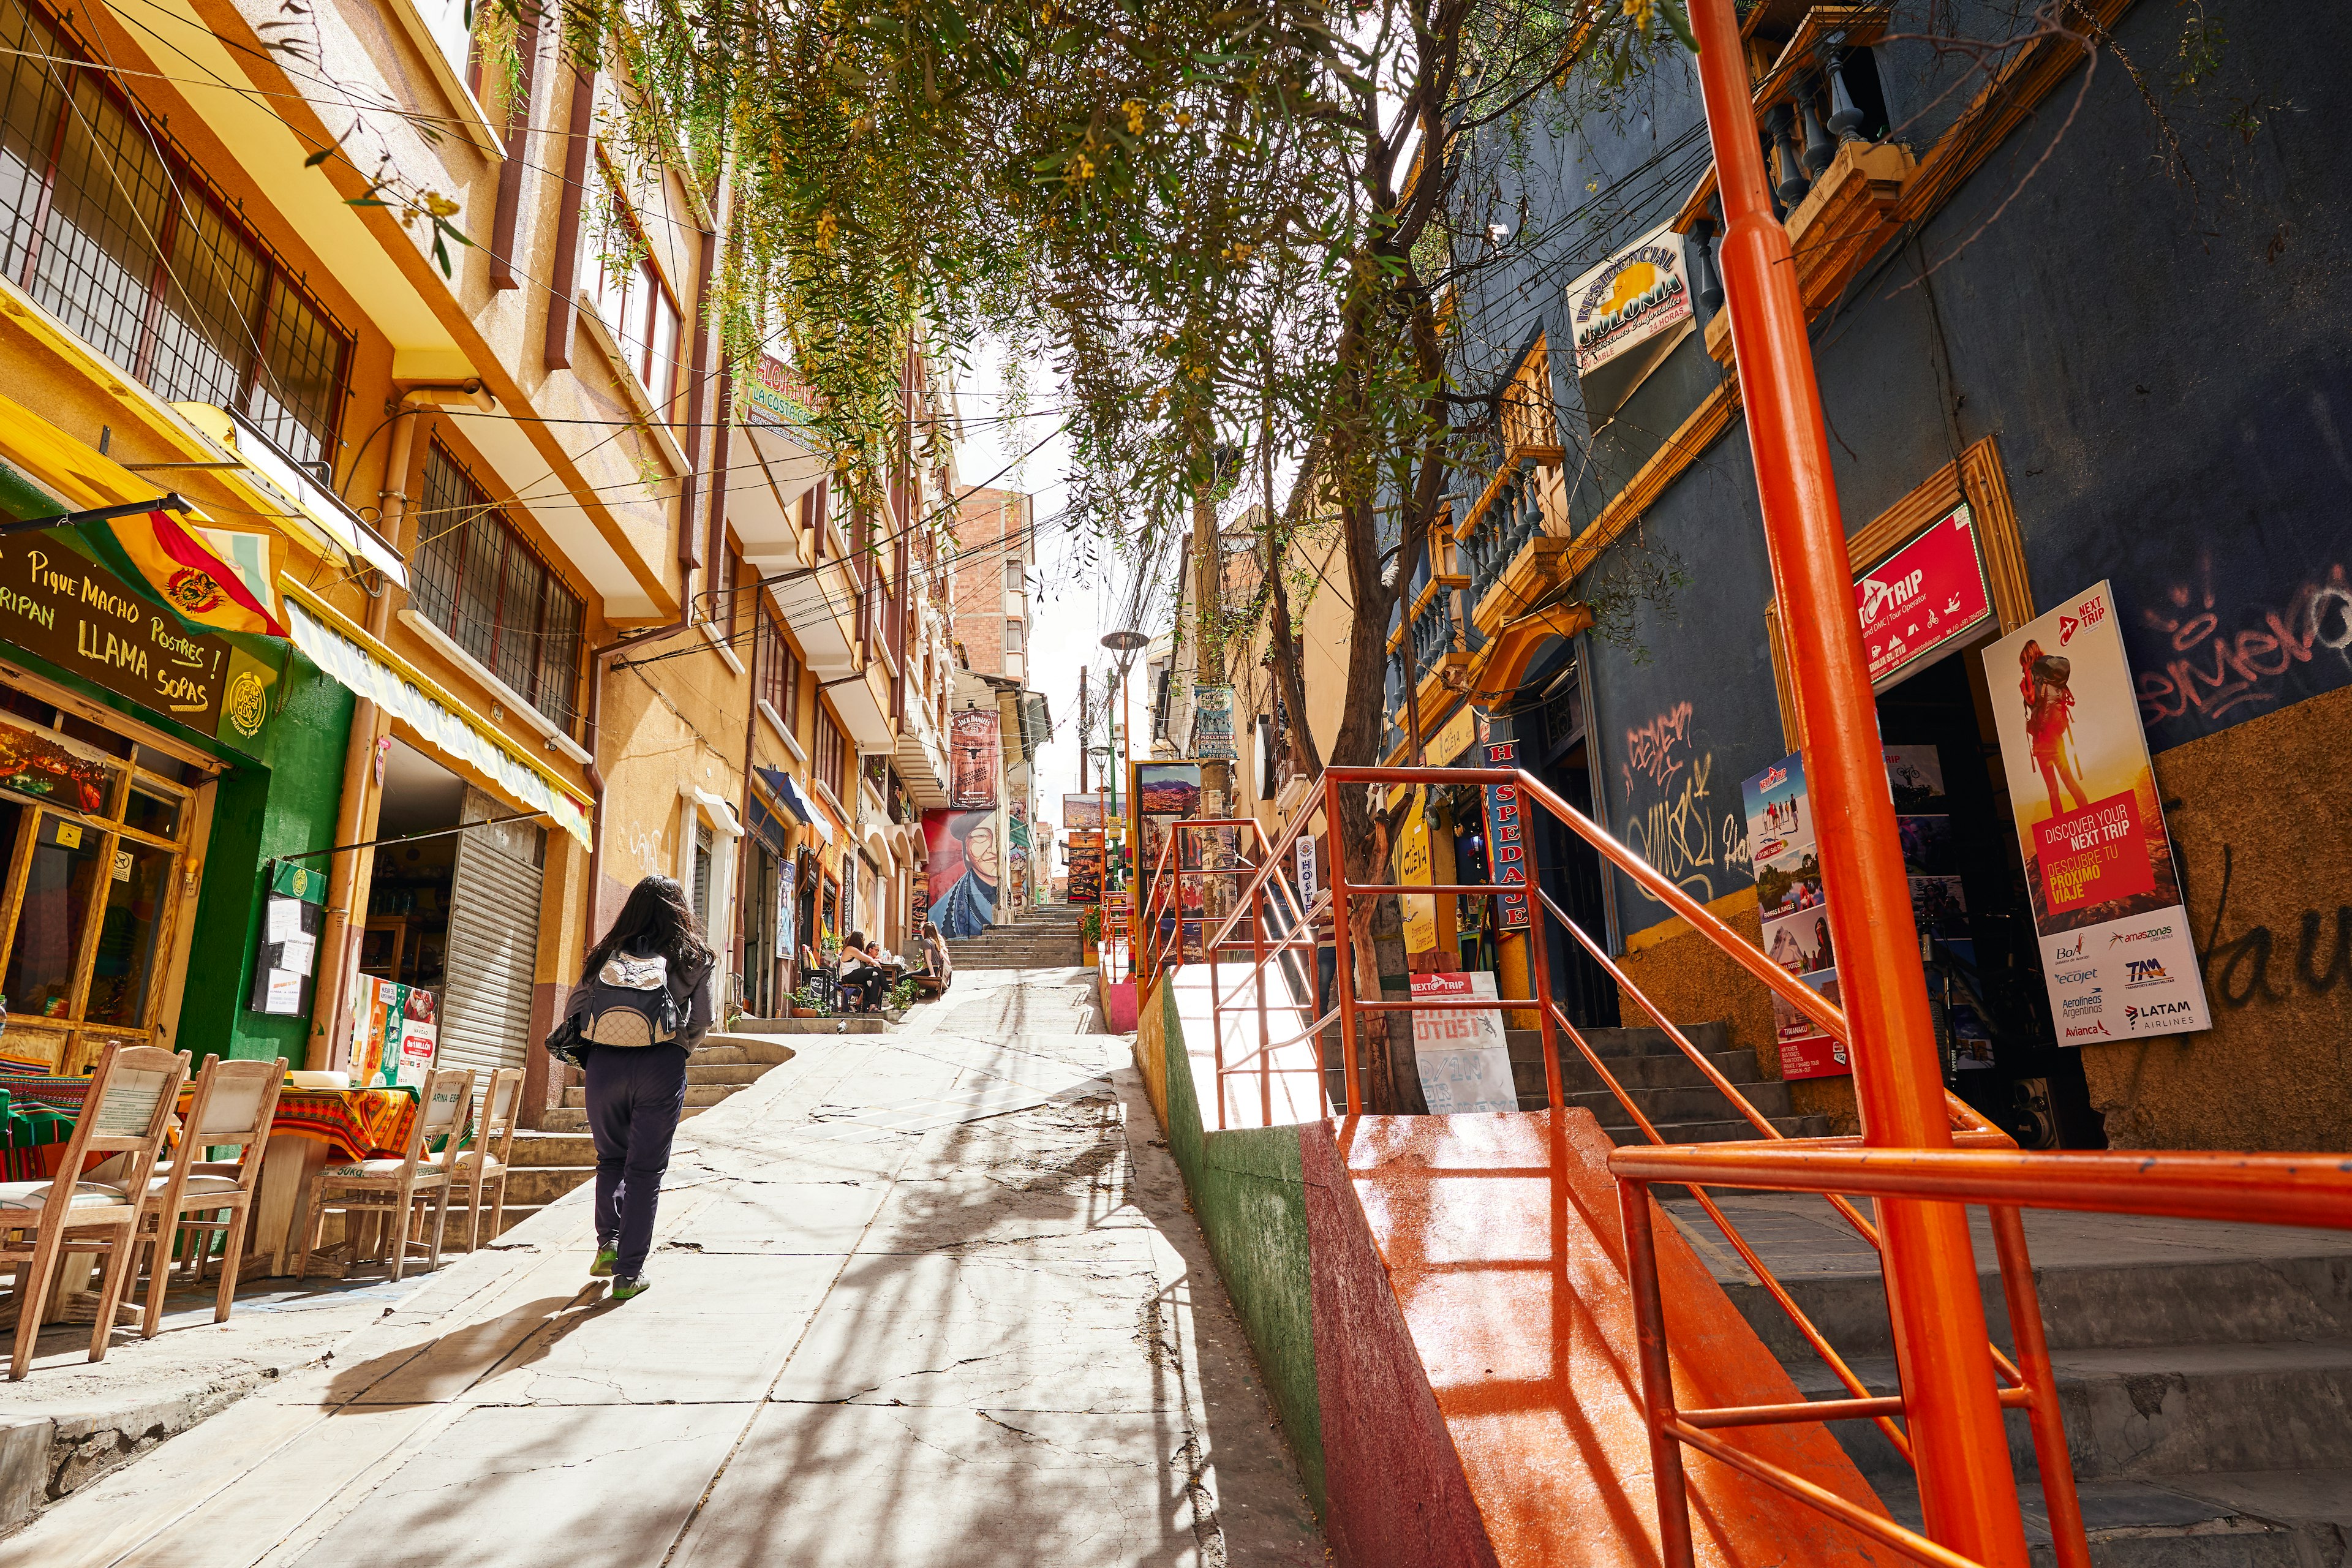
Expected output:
{"points": [[1266, 898]]}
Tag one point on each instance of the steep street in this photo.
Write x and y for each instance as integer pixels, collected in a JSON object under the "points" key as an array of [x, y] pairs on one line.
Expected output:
{"points": [[924, 1298]]}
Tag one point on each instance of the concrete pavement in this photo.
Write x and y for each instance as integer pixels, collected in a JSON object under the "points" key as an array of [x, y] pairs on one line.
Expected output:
{"points": [[923, 1299]]}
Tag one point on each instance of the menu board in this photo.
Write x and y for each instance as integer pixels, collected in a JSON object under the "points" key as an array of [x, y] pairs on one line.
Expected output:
{"points": [[1086, 878]]}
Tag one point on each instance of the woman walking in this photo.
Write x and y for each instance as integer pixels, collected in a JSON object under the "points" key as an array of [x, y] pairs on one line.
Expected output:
{"points": [[643, 1004]]}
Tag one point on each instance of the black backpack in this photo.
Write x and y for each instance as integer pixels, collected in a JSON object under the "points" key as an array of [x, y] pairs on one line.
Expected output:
{"points": [[630, 1002]]}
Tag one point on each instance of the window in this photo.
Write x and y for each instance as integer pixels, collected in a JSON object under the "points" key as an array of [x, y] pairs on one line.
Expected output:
{"points": [[780, 672], [633, 300], [479, 580], [1013, 582], [112, 231], [738, 585], [704, 843], [1012, 637], [830, 754]]}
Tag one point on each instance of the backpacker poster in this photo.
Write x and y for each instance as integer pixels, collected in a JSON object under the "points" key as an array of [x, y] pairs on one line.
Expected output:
{"points": [[2116, 950], [974, 749]]}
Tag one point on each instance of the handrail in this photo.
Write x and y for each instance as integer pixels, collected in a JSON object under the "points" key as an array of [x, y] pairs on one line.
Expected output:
{"points": [[1266, 890]]}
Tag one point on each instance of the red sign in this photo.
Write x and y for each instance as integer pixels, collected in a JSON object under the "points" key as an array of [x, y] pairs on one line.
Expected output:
{"points": [[1927, 594], [2093, 854], [1816, 1056], [1507, 852]]}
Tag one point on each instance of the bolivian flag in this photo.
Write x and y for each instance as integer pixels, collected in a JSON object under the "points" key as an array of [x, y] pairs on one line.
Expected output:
{"points": [[185, 572]]}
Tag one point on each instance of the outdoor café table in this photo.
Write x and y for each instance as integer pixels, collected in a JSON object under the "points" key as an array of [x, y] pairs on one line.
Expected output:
{"points": [[313, 1129]]}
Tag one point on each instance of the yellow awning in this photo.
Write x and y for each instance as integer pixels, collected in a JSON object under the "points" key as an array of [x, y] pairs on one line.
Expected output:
{"points": [[345, 651]]}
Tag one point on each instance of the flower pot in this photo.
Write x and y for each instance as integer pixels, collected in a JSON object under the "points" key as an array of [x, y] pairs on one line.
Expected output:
{"points": [[800, 1012]]}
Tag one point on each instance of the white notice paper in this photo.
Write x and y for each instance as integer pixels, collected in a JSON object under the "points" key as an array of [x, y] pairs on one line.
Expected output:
{"points": [[285, 920], [285, 993], [1464, 1055]]}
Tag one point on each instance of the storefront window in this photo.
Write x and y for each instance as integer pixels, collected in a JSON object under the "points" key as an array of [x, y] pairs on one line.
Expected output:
{"points": [[152, 811], [52, 920], [124, 965]]}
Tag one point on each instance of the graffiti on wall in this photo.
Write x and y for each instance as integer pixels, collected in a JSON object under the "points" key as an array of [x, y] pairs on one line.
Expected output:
{"points": [[2218, 660], [1675, 818], [963, 870], [2309, 959]]}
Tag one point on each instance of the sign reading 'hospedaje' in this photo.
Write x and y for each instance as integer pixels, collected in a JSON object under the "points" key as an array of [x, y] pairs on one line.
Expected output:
{"points": [[66, 608]]}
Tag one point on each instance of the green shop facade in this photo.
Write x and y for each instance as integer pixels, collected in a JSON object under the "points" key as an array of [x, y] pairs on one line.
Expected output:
{"points": [[148, 780]]}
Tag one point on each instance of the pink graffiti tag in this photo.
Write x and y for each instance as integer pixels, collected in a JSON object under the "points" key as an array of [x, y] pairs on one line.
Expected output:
{"points": [[2245, 665], [1658, 750]]}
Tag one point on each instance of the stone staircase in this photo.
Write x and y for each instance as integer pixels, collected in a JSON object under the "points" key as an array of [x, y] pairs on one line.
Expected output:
{"points": [[560, 1155], [1045, 938], [2205, 1373], [1666, 1084]]}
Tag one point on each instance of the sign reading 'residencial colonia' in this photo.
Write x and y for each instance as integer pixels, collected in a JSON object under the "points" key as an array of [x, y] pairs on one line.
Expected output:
{"points": [[2117, 949], [1627, 314]]}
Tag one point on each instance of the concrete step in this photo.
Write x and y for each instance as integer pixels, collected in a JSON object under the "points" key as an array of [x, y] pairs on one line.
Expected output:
{"points": [[1706, 1104], [697, 1071], [1668, 1069], [697, 1094], [876, 1024], [1729, 1130], [742, 1047], [552, 1149], [538, 1184], [574, 1118], [2183, 1521]]}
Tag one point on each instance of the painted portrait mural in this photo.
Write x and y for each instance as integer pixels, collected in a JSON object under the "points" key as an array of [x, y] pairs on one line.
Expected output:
{"points": [[965, 858]]}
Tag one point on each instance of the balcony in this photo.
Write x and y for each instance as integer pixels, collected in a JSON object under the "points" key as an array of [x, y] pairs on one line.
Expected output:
{"points": [[1837, 181], [1442, 645], [1513, 545]]}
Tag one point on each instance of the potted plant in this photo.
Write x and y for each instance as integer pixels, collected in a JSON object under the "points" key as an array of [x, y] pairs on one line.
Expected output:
{"points": [[1090, 934], [808, 1002], [899, 997]]}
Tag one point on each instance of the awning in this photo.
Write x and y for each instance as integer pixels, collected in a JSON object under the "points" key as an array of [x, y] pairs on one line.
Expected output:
{"points": [[765, 826], [796, 801], [721, 813], [373, 671], [299, 499]]}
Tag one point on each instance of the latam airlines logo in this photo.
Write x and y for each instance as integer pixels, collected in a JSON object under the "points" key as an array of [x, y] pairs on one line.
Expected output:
{"points": [[2088, 1029], [2153, 933], [2152, 1011], [2139, 972]]}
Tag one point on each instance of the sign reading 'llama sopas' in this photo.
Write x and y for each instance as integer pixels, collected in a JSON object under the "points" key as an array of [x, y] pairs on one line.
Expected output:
{"points": [[1627, 314]]}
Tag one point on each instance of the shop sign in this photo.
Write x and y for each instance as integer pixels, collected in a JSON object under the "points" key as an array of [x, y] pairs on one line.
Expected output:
{"points": [[974, 758], [1507, 849], [1627, 315], [1460, 734], [1790, 897], [1463, 1055], [71, 611], [2117, 954], [1923, 596], [1420, 910], [1213, 723], [1305, 849], [1086, 867]]}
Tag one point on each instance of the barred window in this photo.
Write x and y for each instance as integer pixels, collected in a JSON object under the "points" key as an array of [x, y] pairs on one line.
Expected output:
{"points": [[112, 231], [832, 753], [477, 579], [633, 300], [779, 671]]}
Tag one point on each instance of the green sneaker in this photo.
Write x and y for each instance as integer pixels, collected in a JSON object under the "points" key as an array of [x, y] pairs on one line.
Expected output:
{"points": [[629, 1285], [606, 1257]]}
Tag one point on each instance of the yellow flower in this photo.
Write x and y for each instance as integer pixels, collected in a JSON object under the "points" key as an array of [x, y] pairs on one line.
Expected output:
{"points": [[439, 206], [827, 226], [1183, 122], [1135, 112], [1080, 168], [1642, 12]]}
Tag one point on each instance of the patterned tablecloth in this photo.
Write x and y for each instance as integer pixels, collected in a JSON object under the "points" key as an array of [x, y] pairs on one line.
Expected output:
{"points": [[352, 1122]]}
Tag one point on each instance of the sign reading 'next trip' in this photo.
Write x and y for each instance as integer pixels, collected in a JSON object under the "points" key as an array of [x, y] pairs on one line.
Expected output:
{"points": [[1924, 595], [67, 609]]}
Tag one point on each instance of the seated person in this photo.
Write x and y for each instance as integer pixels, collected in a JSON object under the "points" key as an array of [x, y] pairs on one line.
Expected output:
{"points": [[938, 970], [866, 969]]}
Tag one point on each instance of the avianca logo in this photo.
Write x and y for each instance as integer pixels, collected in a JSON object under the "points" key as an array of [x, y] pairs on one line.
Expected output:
{"points": [[2088, 1029]]}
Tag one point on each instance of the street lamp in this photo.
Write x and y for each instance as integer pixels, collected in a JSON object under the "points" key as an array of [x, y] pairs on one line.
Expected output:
{"points": [[1126, 643]]}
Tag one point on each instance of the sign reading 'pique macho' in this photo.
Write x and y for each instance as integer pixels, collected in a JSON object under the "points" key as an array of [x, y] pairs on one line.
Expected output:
{"points": [[67, 609]]}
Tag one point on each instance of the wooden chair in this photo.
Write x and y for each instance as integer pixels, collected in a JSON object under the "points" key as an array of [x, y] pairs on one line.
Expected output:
{"points": [[131, 1096], [233, 1104], [479, 1168], [392, 1186]]}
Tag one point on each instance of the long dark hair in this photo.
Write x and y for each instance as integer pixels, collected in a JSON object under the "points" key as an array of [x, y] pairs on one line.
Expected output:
{"points": [[657, 919]]}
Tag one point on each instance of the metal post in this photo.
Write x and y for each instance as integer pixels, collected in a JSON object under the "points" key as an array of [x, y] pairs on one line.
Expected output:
{"points": [[1265, 1039], [1966, 1491], [1539, 958], [1343, 972], [2060, 1504], [1657, 1373]]}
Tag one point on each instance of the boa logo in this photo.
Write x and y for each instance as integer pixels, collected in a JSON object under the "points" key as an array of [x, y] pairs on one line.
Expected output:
{"points": [[2063, 953]]}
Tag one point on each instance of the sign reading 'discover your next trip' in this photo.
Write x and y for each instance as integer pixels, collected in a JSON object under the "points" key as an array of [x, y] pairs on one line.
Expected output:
{"points": [[2117, 949]]}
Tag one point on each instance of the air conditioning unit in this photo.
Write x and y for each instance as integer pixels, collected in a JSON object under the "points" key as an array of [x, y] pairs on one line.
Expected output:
{"points": [[1290, 797]]}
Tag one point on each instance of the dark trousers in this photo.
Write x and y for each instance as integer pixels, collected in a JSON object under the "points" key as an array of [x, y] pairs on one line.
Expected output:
{"points": [[634, 1096]]}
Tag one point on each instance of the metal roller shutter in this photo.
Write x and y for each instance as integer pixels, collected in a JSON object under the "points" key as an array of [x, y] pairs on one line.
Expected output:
{"points": [[493, 948]]}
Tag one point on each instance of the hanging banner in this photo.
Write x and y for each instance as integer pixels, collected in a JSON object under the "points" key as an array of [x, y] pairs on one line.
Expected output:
{"points": [[1413, 867], [2116, 950], [1213, 723], [1923, 598], [1305, 850], [975, 758], [1506, 850], [1086, 867], [1464, 1056], [963, 870], [1083, 811], [1795, 912]]}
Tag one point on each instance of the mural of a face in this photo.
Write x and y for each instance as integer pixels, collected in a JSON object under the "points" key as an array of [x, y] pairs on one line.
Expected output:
{"points": [[980, 851]]}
